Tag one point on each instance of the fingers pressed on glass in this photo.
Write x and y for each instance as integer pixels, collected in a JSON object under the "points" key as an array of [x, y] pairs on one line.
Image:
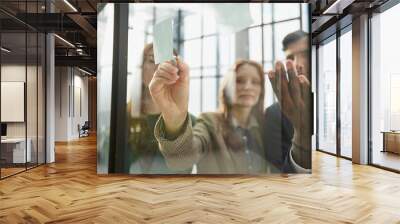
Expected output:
{"points": [[305, 87], [286, 100], [294, 84]]}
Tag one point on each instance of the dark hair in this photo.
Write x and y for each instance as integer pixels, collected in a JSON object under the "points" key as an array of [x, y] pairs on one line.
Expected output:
{"points": [[292, 38]]}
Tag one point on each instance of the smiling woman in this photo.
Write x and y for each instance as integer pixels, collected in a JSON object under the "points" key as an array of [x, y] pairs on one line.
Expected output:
{"points": [[224, 142]]}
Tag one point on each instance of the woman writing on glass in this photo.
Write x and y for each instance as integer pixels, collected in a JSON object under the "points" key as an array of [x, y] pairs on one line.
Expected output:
{"points": [[224, 142]]}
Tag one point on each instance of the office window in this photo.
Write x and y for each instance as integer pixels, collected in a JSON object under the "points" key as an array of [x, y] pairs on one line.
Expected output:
{"points": [[264, 46], [281, 30], [255, 44], [385, 89], [346, 94], [327, 97], [192, 53], [210, 56], [285, 11], [192, 26]]}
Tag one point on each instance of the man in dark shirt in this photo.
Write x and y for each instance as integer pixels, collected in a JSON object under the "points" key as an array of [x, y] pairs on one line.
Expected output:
{"points": [[278, 132]]}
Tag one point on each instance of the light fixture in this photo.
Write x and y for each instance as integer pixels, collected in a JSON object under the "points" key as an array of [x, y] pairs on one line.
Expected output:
{"points": [[70, 5], [5, 50], [337, 7], [64, 40], [84, 71]]}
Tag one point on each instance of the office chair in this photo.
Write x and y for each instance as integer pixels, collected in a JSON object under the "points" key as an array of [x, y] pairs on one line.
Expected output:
{"points": [[84, 130]]}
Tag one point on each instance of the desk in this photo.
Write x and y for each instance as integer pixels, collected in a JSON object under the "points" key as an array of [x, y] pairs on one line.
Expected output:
{"points": [[13, 150], [391, 141]]}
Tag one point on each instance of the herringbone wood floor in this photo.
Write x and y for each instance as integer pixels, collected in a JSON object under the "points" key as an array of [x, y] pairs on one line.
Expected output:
{"points": [[70, 191]]}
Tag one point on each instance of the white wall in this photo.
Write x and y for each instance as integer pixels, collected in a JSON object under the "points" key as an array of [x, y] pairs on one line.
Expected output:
{"points": [[33, 126], [11, 73], [71, 87]]}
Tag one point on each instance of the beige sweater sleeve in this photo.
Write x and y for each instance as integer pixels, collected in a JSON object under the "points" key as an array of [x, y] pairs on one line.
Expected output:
{"points": [[188, 148]]}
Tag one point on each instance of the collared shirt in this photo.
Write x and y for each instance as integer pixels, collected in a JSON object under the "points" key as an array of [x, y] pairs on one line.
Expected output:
{"points": [[252, 148]]}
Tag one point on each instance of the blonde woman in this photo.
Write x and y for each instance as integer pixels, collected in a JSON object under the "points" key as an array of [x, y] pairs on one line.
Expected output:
{"points": [[224, 142]]}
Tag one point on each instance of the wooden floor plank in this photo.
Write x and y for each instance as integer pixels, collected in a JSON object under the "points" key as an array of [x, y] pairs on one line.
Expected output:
{"points": [[70, 191]]}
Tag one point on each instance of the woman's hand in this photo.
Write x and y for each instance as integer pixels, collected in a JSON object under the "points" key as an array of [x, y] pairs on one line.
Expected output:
{"points": [[169, 89]]}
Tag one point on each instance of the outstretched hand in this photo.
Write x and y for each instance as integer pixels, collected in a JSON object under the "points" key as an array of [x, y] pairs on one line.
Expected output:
{"points": [[169, 89], [293, 91]]}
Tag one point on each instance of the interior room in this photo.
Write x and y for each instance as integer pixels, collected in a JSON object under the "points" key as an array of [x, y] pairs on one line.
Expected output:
{"points": [[70, 79]]}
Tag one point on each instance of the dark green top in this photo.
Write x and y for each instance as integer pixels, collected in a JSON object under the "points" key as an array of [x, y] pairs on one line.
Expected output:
{"points": [[144, 154]]}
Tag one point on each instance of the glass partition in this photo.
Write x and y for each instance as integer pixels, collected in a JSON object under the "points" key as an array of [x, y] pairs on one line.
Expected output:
{"points": [[105, 20], [346, 94], [210, 54], [22, 91], [327, 96], [15, 151]]}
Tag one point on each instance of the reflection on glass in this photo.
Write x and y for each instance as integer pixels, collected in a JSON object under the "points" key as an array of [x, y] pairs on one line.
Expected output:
{"points": [[327, 97]]}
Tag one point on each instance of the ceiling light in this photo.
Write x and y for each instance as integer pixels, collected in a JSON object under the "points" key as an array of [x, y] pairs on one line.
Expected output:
{"points": [[70, 5], [5, 50], [65, 41], [338, 6], [84, 71]]}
